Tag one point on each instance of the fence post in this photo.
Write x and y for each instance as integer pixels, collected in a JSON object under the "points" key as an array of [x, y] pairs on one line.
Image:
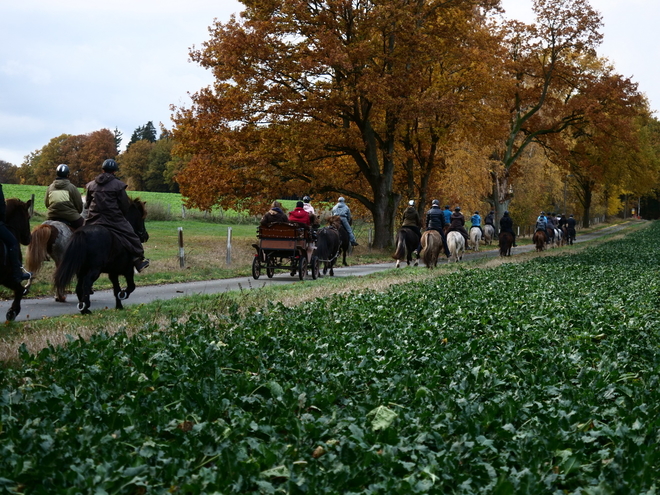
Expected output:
{"points": [[228, 246], [371, 239], [182, 262], [183, 212]]}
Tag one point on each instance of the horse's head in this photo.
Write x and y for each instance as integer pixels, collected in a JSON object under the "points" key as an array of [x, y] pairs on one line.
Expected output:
{"points": [[334, 221], [137, 212], [17, 218]]}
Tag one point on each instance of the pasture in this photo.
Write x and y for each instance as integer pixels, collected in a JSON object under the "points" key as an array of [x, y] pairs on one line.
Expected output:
{"points": [[533, 377]]}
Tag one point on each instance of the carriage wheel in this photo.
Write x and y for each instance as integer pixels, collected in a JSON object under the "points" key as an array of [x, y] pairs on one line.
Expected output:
{"points": [[315, 267], [302, 268], [256, 268], [270, 267]]}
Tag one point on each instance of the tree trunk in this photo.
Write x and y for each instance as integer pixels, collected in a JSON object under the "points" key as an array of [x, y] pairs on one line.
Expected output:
{"points": [[384, 215], [501, 197]]}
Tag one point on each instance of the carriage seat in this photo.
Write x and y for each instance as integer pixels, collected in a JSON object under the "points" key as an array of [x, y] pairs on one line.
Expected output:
{"points": [[284, 230]]}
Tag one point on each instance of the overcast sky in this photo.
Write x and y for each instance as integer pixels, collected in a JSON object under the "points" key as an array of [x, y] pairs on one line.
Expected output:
{"points": [[77, 66]]}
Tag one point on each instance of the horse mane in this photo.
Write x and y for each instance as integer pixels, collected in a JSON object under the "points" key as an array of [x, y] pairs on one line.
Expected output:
{"points": [[140, 205], [334, 221]]}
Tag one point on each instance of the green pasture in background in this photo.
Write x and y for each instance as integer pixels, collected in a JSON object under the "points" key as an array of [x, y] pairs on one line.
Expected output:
{"points": [[538, 377]]}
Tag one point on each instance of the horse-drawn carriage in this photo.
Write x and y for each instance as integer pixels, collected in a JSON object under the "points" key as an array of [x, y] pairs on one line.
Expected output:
{"points": [[285, 246]]}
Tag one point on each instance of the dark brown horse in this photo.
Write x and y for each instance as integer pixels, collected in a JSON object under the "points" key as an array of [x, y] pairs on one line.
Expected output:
{"points": [[17, 220], [92, 251], [406, 244], [506, 241], [431, 247], [539, 240], [328, 245]]}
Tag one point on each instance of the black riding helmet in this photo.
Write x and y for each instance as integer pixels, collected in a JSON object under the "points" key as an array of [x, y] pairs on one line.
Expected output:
{"points": [[110, 165], [62, 170]]}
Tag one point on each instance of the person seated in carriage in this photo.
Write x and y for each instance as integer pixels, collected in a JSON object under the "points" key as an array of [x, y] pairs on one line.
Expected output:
{"points": [[458, 224], [298, 214], [412, 221], [19, 274], [506, 225], [476, 222], [108, 203], [63, 200], [435, 220], [275, 214]]}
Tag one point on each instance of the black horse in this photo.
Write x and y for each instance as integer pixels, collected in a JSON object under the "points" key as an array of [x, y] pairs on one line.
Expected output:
{"points": [[92, 251], [406, 244], [506, 241], [17, 220], [344, 238], [331, 242]]}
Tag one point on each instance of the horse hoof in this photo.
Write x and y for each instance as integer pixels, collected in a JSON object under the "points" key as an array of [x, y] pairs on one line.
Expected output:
{"points": [[11, 315], [85, 312], [122, 295], [81, 306]]}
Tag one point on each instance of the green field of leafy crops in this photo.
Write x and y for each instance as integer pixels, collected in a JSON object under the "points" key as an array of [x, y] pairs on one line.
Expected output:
{"points": [[539, 377]]}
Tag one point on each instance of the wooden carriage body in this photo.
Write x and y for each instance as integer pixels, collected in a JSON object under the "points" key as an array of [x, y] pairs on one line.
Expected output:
{"points": [[284, 246]]}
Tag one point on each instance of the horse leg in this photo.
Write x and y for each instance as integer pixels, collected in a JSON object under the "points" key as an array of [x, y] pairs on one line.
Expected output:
{"points": [[117, 290], [84, 289], [15, 308]]}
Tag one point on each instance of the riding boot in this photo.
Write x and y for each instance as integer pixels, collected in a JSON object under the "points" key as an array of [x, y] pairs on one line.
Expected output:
{"points": [[140, 263], [18, 273]]}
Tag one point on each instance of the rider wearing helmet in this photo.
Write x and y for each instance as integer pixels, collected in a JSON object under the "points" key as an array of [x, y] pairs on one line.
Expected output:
{"points": [[435, 220], [63, 199], [108, 203], [344, 212], [412, 221], [506, 225], [542, 225], [476, 222], [458, 224], [447, 213]]}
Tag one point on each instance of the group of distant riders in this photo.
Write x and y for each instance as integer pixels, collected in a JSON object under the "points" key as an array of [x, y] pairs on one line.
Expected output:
{"points": [[444, 221], [106, 204]]}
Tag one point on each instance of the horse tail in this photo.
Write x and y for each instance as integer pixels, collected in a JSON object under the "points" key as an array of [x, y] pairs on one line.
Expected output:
{"points": [[37, 250], [429, 247], [72, 261], [326, 249], [400, 253]]}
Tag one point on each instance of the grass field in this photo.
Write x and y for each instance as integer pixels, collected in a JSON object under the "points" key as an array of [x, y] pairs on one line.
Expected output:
{"points": [[538, 377]]}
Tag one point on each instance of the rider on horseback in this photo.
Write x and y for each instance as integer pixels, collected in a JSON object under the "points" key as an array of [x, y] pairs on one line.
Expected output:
{"points": [[13, 249], [412, 221], [63, 200], [506, 225], [108, 203], [435, 220], [476, 222], [542, 225], [458, 224], [342, 210]]}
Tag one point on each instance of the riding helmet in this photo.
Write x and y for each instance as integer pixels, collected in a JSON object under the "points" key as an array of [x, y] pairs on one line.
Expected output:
{"points": [[458, 208], [411, 202], [62, 170], [435, 202], [341, 199], [306, 199], [110, 165]]}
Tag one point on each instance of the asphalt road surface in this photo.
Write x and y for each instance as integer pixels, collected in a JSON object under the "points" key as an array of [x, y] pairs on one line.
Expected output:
{"points": [[46, 307]]}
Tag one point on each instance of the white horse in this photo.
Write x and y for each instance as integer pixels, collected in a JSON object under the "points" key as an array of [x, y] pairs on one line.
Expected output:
{"points": [[475, 237], [559, 237], [456, 245], [489, 234]]}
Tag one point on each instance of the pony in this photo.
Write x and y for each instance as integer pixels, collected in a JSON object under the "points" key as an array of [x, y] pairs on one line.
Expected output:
{"points": [[328, 244], [92, 251], [49, 240], [570, 235], [475, 237], [559, 238], [506, 241], [489, 234], [431, 247], [17, 220], [539, 240], [406, 243], [344, 238], [456, 245], [550, 231]]}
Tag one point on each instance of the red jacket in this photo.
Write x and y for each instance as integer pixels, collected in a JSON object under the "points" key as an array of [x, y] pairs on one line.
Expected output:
{"points": [[299, 215]]}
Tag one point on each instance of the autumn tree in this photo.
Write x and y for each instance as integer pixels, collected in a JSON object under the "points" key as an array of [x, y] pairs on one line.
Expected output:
{"points": [[544, 71], [321, 96], [8, 173], [83, 153]]}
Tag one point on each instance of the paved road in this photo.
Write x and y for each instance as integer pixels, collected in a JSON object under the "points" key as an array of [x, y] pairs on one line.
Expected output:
{"points": [[34, 309]]}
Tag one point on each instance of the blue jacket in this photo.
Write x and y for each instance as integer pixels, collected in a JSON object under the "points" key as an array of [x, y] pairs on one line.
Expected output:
{"points": [[476, 220], [447, 214]]}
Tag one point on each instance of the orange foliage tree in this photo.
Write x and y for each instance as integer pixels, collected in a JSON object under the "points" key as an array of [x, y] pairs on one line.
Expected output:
{"points": [[544, 73], [326, 97]]}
